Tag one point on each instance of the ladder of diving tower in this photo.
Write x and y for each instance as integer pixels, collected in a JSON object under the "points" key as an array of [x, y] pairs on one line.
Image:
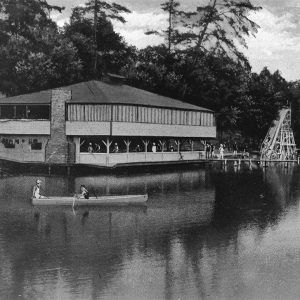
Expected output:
{"points": [[279, 143]]}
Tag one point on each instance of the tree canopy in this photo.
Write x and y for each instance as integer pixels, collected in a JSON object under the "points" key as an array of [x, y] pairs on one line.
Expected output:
{"points": [[33, 53], [201, 61]]}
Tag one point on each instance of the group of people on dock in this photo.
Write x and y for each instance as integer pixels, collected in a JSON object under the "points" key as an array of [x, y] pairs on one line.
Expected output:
{"points": [[210, 151], [232, 150]]}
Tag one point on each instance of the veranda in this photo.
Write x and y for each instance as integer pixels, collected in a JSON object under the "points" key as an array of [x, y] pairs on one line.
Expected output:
{"points": [[110, 151]]}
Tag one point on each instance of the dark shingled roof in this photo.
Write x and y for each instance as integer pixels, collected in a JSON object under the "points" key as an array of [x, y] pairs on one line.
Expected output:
{"points": [[94, 92], [43, 97]]}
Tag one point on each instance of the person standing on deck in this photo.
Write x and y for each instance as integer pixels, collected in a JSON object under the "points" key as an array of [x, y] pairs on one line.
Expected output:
{"points": [[116, 148], [221, 149], [84, 193], [235, 149], [153, 148], [207, 151], [36, 193], [90, 148]]}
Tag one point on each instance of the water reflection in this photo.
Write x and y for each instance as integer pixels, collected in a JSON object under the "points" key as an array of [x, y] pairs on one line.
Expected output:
{"points": [[203, 234]]}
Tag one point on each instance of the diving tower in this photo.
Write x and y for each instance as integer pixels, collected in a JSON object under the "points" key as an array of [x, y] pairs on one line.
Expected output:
{"points": [[279, 143]]}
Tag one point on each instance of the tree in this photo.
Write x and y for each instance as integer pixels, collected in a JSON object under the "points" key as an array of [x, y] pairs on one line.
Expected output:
{"points": [[171, 7], [217, 28], [33, 55], [112, 53], [264, 95], [40, 70], [105, 11], [20, 17]]}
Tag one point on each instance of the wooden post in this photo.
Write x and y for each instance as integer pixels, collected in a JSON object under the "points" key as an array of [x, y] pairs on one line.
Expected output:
{"points": [[127, 143], [162, 144], [107, 145], [177, 142], [146, 143]]}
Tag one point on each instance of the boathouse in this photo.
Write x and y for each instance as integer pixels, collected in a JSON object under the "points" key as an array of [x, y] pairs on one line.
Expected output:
{"points": [[102, 123]]}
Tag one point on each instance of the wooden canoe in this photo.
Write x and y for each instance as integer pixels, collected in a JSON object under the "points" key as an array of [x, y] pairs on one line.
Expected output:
{"points": [[102, 200]]}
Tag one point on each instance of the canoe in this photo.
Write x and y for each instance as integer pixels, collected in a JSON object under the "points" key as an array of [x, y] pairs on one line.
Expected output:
{"points": [[102, 200]]}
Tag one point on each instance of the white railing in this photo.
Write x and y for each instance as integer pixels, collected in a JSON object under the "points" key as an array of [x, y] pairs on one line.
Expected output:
{"points": [[135, 157]]}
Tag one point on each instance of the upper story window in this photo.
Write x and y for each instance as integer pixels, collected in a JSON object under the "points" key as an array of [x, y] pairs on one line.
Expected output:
{"points": [[34, 112], [7, 112], [38, 112], [138, 114]]}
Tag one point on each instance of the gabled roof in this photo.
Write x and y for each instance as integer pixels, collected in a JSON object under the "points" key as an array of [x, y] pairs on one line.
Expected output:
{"points": [[98, 92], [43, 97]]}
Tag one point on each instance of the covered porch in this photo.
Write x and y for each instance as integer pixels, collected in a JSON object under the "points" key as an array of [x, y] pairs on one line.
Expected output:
{"points": [[109, 151]]}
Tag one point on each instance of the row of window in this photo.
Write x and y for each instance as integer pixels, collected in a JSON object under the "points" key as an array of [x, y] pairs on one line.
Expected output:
{"points": [[35, 144], [138, 114], [116, 113], [25, 112]]}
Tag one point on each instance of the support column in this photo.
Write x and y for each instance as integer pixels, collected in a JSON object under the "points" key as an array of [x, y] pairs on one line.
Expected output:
{"points": [[57, 148], [107, 145], [146, 143], [192, 144], [162, 145], [177, 142], [127, 143]]}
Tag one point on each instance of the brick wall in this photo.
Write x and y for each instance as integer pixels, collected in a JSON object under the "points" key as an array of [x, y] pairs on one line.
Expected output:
{"points": [[57, 148]]}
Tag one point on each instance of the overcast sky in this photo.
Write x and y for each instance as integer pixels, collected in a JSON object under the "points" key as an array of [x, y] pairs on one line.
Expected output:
{"points": [[277, 44]]}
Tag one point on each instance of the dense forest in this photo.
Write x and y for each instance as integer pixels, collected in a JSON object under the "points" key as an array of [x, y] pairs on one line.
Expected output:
{"points": [[200, 62]]}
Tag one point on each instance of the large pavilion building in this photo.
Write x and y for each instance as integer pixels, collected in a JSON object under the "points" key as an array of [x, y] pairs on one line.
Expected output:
{"points": [[102, 123]]}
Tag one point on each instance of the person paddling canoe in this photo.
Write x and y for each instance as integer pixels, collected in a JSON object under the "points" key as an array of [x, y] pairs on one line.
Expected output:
{"points": [[84, 193], [36, 193]]}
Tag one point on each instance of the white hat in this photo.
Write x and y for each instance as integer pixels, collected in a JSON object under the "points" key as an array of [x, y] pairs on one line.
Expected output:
{"points": [[39, 181]]}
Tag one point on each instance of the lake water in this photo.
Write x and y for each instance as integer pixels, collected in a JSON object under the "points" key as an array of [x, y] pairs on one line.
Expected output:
{"points": [[205, 234]]}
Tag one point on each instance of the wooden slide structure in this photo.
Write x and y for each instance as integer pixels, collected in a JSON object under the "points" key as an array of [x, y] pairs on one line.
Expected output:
{"points": [[279, 143]]}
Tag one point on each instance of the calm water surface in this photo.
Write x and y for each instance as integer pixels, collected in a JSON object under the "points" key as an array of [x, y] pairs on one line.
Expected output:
{"points": [[205, 234]]}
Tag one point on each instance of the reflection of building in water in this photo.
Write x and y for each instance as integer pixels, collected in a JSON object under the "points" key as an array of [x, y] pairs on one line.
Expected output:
{"points": [[95, 244], [17, 187], [190, 242]]}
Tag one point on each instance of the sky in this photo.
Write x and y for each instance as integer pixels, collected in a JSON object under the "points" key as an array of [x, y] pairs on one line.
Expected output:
{"points": [[276, 45]]}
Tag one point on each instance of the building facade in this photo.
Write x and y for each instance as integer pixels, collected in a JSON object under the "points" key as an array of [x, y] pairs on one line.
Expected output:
{"points": [[102, 123]]}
